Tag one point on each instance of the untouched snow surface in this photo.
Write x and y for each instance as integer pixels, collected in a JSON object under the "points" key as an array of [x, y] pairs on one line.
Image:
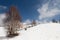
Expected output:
{"points": [[49, 31]]}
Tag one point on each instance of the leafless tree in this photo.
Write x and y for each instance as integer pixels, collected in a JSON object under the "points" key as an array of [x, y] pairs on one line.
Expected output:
{"points": [[33, 23], [13, 22]]}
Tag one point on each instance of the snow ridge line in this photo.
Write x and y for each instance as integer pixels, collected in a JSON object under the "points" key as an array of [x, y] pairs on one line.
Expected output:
{"points": [[27, 27]]}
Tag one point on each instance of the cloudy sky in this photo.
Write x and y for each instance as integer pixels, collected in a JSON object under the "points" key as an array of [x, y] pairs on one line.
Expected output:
{"points": [[43, 10]]}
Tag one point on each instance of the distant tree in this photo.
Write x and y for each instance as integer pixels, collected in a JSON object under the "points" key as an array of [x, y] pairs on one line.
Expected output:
{"points": [[54, 21], [13, 22], [33, 23], [59, 20]]}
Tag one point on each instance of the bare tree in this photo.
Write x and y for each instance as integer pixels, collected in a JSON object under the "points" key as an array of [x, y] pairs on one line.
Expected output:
{"points": [[33, 23], [54, 21], [13, 22]]}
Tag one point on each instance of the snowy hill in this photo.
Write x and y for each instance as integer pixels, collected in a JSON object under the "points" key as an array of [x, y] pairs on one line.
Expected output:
{"points": [[48, 31]]}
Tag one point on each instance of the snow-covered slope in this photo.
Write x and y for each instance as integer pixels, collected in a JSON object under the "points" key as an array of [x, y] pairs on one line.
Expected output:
{"points": [[49, 31]]}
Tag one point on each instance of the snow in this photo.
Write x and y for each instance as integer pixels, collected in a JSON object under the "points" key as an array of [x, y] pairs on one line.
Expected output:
{"points": [[47, 31], [2, 31]]}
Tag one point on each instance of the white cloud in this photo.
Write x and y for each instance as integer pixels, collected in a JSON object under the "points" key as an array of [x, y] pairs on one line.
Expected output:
{"points": [[2, 16], [27, 21], [46, 12], [4, 7]]}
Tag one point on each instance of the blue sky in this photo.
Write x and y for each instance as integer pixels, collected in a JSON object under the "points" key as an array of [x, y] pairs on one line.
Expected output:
{"points": [[26, 8], [33, 9]]}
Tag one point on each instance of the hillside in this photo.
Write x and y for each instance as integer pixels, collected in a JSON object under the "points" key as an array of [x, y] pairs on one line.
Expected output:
{"points": [[48, 31]]}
